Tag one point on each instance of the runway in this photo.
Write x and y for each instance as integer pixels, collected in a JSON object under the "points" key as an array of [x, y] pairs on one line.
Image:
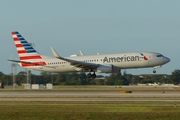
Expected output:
{"points": [[88, 96]]}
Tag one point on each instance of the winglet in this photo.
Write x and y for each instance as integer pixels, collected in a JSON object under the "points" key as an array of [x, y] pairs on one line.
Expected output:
{"points": [[57, 56], [55, 53], [81, 53]]}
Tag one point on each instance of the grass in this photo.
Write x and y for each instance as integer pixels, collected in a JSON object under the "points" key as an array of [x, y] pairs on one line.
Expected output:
{"points": [[89, 110]]}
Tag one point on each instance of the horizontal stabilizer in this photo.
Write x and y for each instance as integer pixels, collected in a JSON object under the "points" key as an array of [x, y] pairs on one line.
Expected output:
{"points": [[19, 61]]}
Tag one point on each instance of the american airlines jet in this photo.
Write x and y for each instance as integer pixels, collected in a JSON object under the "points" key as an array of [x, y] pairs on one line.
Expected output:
{"points": [[103, 63]]}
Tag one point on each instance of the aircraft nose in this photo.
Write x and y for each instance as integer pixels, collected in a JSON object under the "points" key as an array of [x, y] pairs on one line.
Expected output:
{"points": [[166, 60]]}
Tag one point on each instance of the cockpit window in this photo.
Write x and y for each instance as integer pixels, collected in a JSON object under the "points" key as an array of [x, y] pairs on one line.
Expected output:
{"points": [[159, 55]]}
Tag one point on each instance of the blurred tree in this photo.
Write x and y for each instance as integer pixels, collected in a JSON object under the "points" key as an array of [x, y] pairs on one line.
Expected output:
{"points": [[175, 77], [135, 79], [21, 77]]}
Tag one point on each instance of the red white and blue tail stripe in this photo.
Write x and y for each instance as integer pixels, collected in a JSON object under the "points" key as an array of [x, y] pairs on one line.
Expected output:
{"points": [[26, 52]]}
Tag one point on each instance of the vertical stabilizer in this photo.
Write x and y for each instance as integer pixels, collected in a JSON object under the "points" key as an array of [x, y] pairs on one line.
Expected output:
{"points": [[25, 50]]}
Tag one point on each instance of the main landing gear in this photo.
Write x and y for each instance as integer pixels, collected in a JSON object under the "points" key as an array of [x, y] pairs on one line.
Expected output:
{"points": [[89, 75], [154, 71]]}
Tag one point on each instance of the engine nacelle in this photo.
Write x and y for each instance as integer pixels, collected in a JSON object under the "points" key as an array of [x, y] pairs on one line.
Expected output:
{"points": [[74, 55], [107, 69]]}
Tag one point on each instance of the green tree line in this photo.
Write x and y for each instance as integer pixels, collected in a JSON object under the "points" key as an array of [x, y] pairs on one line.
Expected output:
{"points": [[80, 79]]}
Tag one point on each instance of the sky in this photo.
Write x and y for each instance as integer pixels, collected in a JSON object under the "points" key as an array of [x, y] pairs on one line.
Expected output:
{"points": [[102, 26]]}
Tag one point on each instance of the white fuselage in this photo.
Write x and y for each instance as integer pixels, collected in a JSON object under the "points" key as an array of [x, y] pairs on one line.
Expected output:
{"points": [[119, 61]]}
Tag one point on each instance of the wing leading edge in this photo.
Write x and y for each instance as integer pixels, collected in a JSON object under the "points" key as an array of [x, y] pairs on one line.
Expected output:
{"points": [[79, 64]]}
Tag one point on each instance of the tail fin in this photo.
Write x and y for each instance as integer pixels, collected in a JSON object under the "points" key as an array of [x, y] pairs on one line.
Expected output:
{"points": [[24, 49]]}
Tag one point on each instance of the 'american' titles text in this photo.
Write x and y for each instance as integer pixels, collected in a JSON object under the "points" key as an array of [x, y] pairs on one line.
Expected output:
{"points": [[121, 59]]}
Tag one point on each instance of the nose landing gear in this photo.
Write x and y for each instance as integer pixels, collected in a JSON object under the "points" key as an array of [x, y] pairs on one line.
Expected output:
{"points": [[155, 67]]}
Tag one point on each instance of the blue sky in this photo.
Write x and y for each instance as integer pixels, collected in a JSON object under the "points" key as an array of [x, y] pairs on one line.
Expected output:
{"points": [[103, 26]]}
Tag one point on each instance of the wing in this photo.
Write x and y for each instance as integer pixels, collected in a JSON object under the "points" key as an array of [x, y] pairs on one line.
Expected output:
{"points": [[76, 63]]}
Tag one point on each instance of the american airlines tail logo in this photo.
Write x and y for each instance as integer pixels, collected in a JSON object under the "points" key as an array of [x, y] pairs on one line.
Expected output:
{"points": [[143, 56], [26, 52]]}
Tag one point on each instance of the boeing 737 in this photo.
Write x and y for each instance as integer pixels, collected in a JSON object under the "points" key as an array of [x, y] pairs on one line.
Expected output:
{"points": [[103, 63]]}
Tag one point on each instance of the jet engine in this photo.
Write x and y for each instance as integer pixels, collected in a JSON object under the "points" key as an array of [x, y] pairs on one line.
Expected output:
{"points": [[107, 69]]}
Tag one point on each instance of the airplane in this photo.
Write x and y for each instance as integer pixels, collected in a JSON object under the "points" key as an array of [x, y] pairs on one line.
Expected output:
{"points": [[101, 63]]}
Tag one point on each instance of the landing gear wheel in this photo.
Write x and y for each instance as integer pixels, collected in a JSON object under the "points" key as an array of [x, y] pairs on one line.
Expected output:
{"points": [[89, 75], [93, 75], [154, 71]]}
